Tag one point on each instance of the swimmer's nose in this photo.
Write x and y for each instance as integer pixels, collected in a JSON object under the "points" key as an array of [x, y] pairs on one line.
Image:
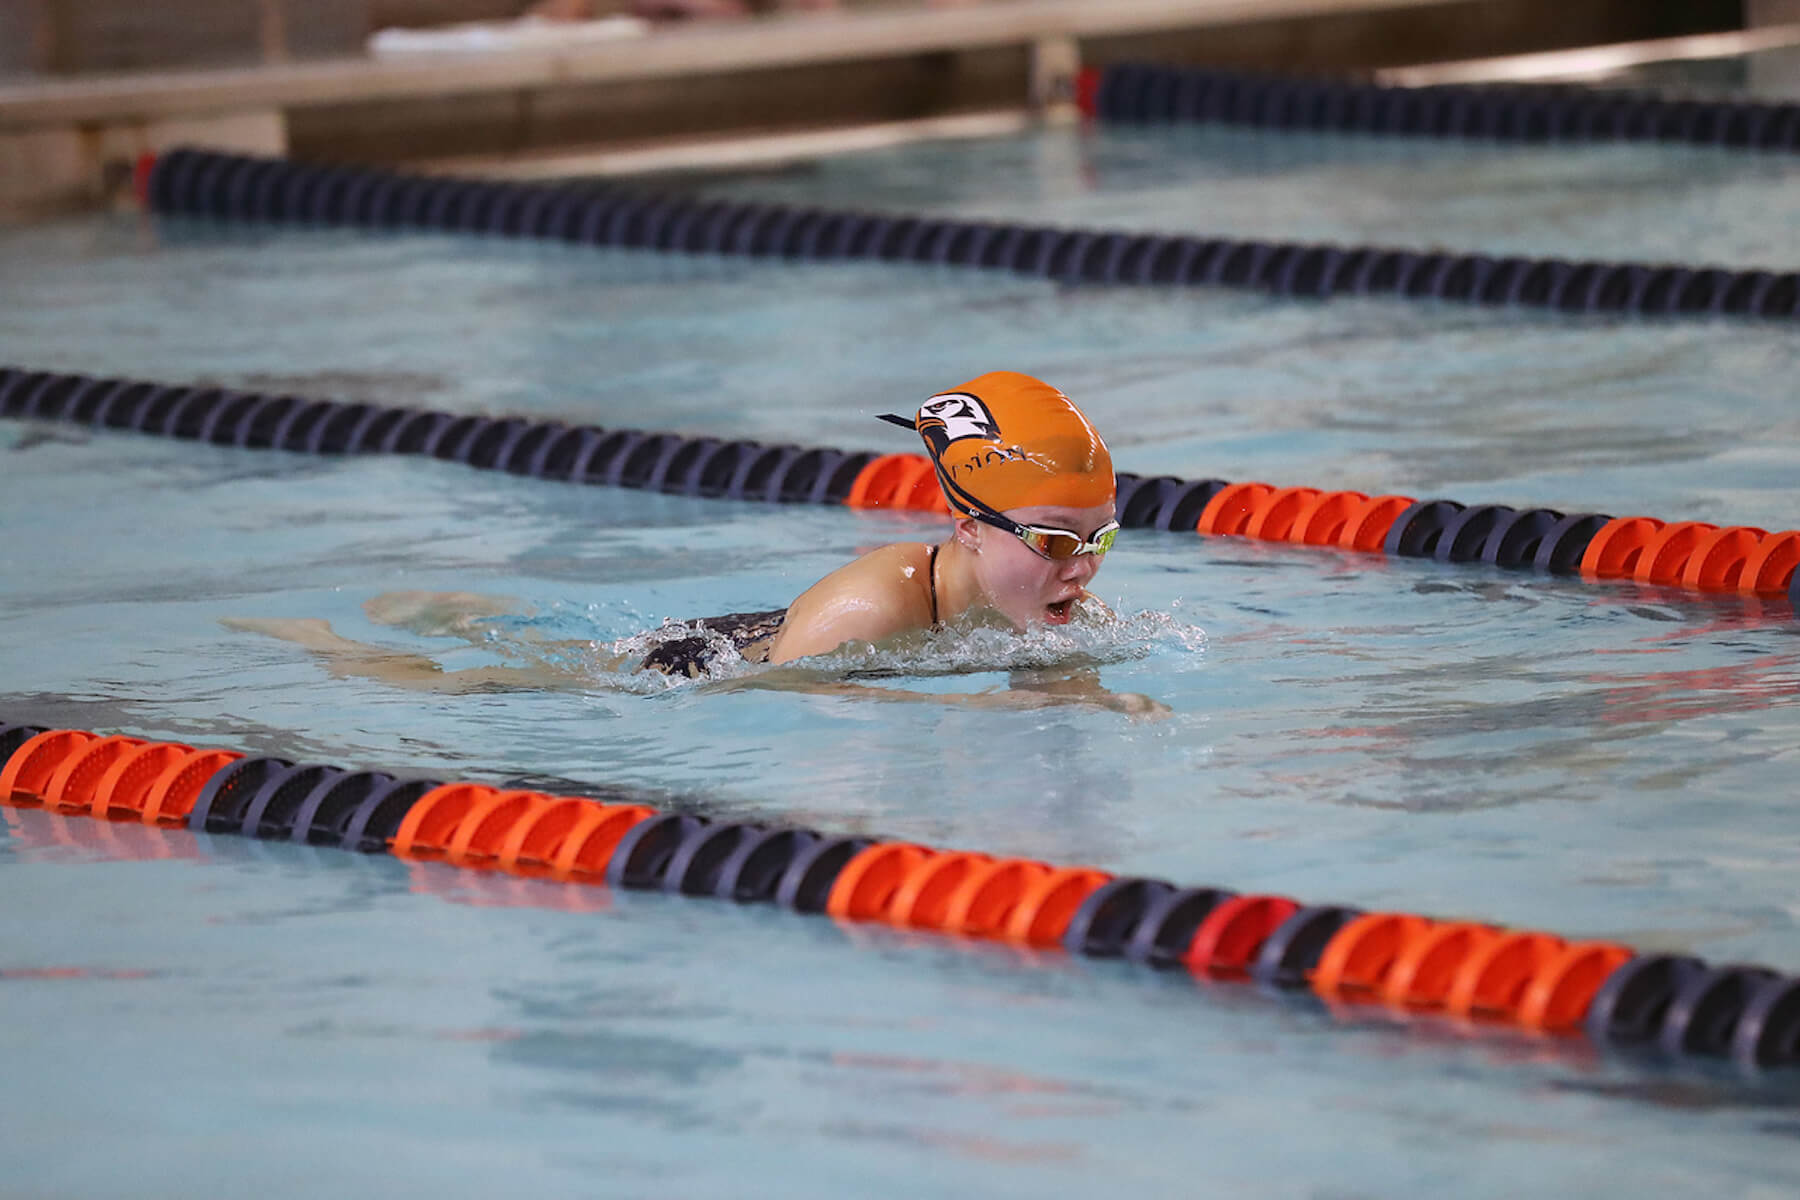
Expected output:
{"points": [[1081, 568]]}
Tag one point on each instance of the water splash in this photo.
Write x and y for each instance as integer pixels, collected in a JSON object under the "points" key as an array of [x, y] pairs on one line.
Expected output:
{"points": [[572, 640], [970, 645], [719, 659], [966, 646]]}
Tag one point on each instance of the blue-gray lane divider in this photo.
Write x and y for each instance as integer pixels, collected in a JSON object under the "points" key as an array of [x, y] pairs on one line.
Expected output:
{"points": [[741, 470], [1145, 93], [1446, 530], [202, 183]]}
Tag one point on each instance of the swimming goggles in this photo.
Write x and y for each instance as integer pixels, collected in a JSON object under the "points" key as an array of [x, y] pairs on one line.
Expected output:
{"points": [[1057, 545]]}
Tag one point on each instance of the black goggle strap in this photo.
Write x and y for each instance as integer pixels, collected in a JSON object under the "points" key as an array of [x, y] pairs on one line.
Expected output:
{"points": [[959, 496], [978, 511], [987, 516]]}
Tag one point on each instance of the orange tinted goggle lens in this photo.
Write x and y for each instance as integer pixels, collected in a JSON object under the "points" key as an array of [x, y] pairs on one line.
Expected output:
{"points": [[1060, 543]]}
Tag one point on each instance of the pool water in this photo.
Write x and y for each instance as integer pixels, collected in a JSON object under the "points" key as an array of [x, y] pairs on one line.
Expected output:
{"points": [[1600, 760]]}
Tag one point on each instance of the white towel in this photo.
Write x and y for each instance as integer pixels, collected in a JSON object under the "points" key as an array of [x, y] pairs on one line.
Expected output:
{"points": [[487, 37]]}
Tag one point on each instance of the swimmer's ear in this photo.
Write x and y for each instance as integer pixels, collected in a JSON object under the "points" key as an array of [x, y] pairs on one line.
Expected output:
{"points": [[968, 532]]}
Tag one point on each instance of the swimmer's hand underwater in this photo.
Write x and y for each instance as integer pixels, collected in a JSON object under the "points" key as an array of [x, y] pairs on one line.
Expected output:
{"points": [[1027, 690]]}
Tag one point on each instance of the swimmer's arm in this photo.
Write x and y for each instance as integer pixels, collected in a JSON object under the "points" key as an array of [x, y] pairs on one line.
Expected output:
{"points": [[1023, 696]]}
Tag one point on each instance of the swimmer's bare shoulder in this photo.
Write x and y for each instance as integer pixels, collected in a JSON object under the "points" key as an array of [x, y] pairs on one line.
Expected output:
{"points": [[886, 591]]}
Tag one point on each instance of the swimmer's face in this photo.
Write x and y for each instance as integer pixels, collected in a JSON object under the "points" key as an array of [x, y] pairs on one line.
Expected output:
{"points": [[1027, 588]]}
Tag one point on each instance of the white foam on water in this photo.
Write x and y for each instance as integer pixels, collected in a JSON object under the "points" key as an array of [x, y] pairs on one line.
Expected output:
{"points": [[966, 646], [562, 641]]}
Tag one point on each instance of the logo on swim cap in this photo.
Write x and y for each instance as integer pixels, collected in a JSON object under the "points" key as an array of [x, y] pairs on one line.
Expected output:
{"points": [[952, 416]]}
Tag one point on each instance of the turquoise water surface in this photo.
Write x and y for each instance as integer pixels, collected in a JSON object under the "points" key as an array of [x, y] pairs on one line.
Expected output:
{"points": [[1602, 761]]}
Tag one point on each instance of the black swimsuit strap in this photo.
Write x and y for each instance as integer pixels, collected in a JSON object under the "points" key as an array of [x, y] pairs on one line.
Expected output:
{"points": [[931, 580]]}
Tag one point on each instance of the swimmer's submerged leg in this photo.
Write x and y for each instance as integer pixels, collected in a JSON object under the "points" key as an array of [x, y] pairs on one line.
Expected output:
{"points": [[346, 658], [441, 614]]}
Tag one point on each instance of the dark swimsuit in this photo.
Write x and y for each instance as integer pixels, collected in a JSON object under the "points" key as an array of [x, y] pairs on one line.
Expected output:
{"points": [[750, 634]]}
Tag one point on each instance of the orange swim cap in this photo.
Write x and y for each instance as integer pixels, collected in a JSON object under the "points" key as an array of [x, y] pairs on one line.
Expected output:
{"points": [[1005, 440]]}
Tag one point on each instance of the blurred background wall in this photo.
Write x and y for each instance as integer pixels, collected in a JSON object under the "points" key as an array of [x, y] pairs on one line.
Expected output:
{"points": [[75, 36], [63, 57], [915, 86], [78, 36]]}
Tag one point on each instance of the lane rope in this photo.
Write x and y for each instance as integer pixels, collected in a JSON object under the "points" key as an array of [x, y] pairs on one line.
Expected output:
{"points": [[1150, 93], [1690, 555], [1481, 975], [235, 187]]}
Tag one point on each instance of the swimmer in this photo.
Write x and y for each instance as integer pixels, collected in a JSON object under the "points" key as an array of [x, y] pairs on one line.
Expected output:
{"points": [[1030, 486], [1029, 483]]}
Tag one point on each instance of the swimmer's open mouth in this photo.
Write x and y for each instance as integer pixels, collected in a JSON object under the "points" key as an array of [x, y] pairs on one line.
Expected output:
{"points": [[1058, 613]]}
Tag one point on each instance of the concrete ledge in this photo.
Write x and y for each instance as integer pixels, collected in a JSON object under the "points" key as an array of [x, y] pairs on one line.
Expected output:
{"points": [[50, 170], [760, 152], [1593, 62]]}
